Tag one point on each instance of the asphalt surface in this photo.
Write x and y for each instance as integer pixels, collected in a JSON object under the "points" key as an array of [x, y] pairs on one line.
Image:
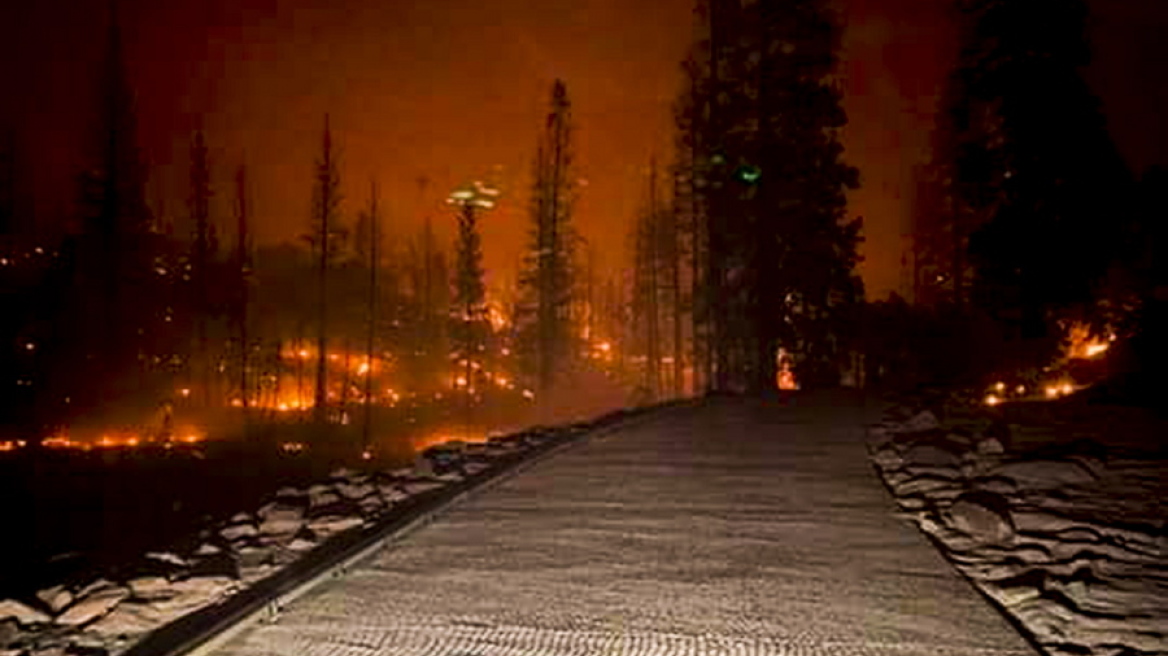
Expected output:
{"points": [[733, 527]]}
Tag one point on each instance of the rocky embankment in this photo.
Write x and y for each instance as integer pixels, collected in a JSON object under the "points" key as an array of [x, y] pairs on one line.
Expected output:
{"points": [[109, 613], [1064, 539]]}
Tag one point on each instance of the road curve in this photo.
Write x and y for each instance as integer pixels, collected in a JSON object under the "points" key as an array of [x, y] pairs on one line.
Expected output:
{"points": [[729, 527]]}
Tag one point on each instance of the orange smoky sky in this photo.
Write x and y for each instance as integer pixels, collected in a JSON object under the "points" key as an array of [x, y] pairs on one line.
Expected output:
{"points": [[425, 96]]}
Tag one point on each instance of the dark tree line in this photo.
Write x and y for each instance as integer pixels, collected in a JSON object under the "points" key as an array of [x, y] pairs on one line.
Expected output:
{"points": [[1027, 218], [116, 314], [762, 195]]}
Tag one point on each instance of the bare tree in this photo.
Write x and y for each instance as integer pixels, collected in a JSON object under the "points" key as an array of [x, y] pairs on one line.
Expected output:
{"points": [[325, 207]]}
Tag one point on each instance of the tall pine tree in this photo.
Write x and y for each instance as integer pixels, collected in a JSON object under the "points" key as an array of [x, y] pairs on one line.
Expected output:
{"points": [[1034, 169], [763, 116], [547, 280]]}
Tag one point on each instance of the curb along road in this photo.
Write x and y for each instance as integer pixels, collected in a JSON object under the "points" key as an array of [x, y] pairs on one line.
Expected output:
{"points": [[204, 631]]}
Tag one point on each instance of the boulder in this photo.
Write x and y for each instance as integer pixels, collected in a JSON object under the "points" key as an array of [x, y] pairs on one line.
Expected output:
{"points": [[148, 588], [392, 494], [281, 521], [989, 446], [252, 557], [886, 456], [194, 593], [331, 524], [372, 504], [55, 598], [301, 544], [93, 606], [239, 531], [922, 421], [354, 491], [341, 473], [322, 495], [128, 619], [996, 484], [1043, 474], [984, 516], [419, 487], [250, 575], [931, 455], [926, 485], [99, 584], [9, 633], [10, 609], [168, 558]]}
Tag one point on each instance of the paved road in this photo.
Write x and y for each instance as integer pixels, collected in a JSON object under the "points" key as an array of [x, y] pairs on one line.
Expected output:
{"points": [[730, 528]]}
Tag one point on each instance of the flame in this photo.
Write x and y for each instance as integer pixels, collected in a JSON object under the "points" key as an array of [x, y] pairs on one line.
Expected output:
{"points": [[427, 441], [1055, 390], [1079, 344], [784, 377]]}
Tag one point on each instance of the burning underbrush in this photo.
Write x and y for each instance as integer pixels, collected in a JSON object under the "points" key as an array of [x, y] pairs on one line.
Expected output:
{"points": [[1081, 363]]}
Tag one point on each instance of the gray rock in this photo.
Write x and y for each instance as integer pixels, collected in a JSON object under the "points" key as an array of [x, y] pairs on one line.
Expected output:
{"points": [[252, 557], [922, 421], [990, 446], [330, 524], [281, 521], [148, 588], [352, 491], [926, 485], [93, 606], [239, 531], [984, 516], [932, 455], [55, 598], [322, 495], [1042, 474], [10, 609], [995, 484]]}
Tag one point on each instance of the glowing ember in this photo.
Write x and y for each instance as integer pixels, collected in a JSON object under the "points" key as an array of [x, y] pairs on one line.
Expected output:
{"points": [[784, 377], [1079, 344], [992, 400], [1095, 349], [60, 442]]}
